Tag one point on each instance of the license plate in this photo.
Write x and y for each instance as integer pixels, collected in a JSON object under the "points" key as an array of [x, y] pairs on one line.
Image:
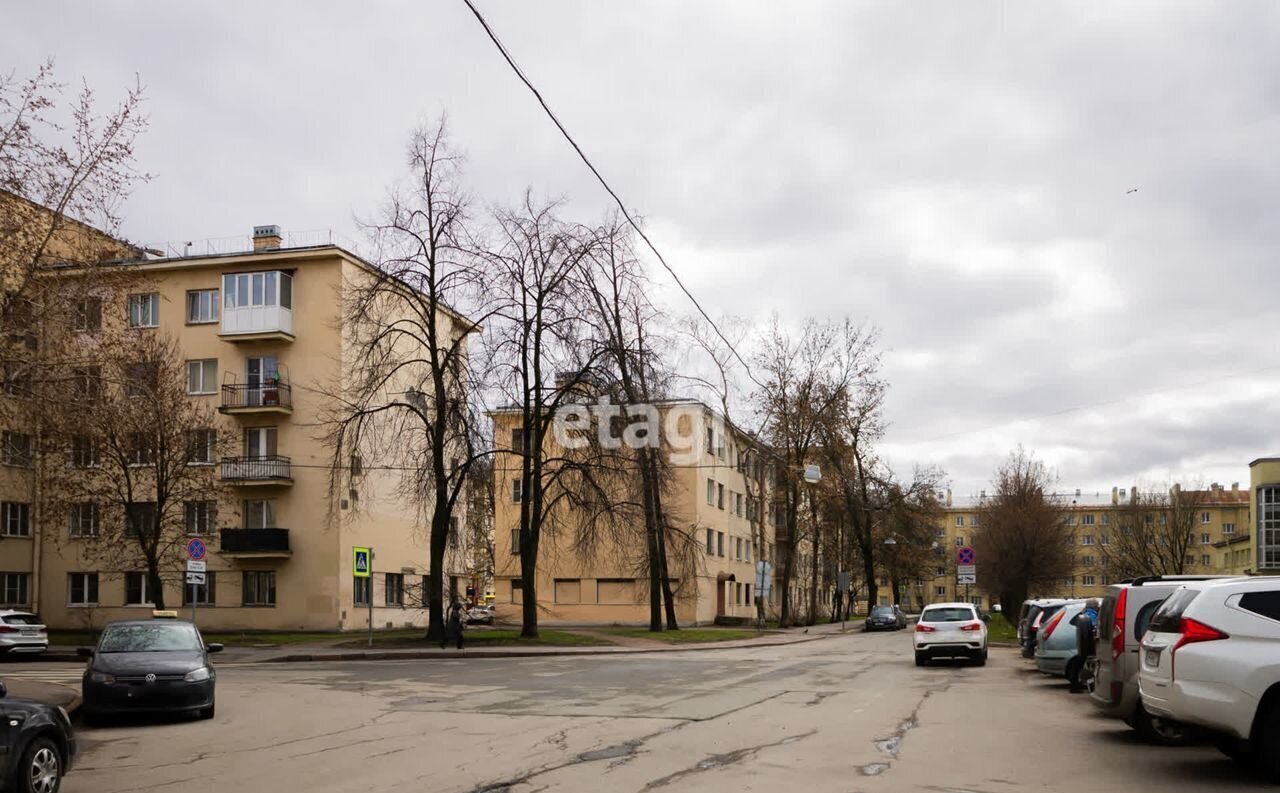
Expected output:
{"points": [[1153, 658], [30, 632]]}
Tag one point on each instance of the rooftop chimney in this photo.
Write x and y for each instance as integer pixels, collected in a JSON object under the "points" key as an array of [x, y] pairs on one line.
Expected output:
{"points": [[1115, 495], [1235, 487], [948, 496], [266, 238], [1077, 492]]}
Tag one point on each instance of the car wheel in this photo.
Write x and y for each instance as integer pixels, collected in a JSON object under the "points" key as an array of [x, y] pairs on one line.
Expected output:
{"points": [[90, 718], [1238, 751], [1268, 754], [207, 713], [41, 768], [1156, 730], [922, 659], [1073, 672], [981, 660]]}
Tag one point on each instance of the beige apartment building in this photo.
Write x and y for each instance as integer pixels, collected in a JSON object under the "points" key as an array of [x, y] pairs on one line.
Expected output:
{"points": [[263, 337], [1221, 541], [720, 492]]}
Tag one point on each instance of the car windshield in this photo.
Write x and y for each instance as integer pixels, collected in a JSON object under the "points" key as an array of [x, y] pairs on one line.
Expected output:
{"points": [[947, 614], [149, 637], [882, 611]]}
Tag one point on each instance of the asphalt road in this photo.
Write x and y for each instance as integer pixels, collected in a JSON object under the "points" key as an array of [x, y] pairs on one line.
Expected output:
{"points": [[850, 713]]}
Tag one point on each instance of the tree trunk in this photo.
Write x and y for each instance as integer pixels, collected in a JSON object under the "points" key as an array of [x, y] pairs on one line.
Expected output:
{"points": [[435, 578], [788, 564], [155, 587], [814, 567]]}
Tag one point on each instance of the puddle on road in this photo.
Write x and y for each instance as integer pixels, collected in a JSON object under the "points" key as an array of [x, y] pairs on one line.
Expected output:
{"points": [[874, 769], [890, 746]]}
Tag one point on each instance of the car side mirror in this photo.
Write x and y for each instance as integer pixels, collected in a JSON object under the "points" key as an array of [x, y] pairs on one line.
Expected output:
{"points": [[214, 648], [84, 652], [4, 690], [986, 618]]}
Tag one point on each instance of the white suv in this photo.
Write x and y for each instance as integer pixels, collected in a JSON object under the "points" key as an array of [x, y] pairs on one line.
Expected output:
{"points": [[1211, 658], [951, 630]]}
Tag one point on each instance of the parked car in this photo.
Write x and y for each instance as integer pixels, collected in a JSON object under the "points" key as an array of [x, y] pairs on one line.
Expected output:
{"points": [[480, 615], [1040, 612], [147, 666], [1126, 611], [22, 633], [1211, 659], [1056, 652], [38, 748], [950, 630], [882, 618]]}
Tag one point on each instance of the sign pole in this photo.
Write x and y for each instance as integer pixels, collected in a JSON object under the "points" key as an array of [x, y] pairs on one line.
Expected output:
{"points": [[196, 571], [370, 580]]}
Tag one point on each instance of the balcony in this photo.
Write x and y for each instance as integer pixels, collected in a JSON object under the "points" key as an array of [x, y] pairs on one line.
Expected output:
{"points": [[247, 398], [257, 307], [255, 543], [257, 471]]}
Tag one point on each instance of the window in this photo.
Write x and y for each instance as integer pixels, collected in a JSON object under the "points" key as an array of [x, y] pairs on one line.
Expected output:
{"points": [[517, 591], [615, 591], [1206, 560], [395, 589], [515, 491], [1069, 581], [1205, 517], [959, 521], [738, 503], [141, 378], [1228, 528], [85, 519], [939, 572], [14, 587], [738, 549], [1086, 539], [517, 440], [720, 495], [86, 383], [568, 591], [200, 594], [15, 449], [1190, 559], [86, 315], [1204, 538], [202, 376], [17, 379], [748, 550], [16, 516], [82, 589], [1087, 561], [135, 590], [259, 588], [938, 591], [259, 513], [1071, 520], [1087, 520], [1104, 540], [1106, 520], [1265, 603], [140, 516], [201, 516], [141, 451], [202, 306], [711, 542], [959, 541], [84, 452], [144, 310], [362, 590], [200, 446], [711, 492], [246, 290], [1268, 527], [711, 440], [515, 542], [719, 543]]}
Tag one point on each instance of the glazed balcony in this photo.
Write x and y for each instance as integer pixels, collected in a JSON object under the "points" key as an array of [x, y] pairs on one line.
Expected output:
{"points": [[255, 543]]}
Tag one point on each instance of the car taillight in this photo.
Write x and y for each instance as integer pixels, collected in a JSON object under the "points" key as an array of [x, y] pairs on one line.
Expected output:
{"points": [[973, 626], [1053, 623], [8, 629], [1192, 632], [1117, 626], [924, 628]]}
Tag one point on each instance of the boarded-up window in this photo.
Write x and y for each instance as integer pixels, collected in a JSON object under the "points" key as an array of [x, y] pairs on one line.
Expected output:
{"points": [[517, 591], [568, 590], [616, 591]]}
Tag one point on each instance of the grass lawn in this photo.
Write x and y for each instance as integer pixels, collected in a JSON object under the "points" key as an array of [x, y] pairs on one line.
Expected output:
{"points": [[999, 630], [682, 636], [482, 637]]}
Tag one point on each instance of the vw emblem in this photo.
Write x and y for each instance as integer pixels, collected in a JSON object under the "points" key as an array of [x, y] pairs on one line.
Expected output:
{"points": [[151, 677]]}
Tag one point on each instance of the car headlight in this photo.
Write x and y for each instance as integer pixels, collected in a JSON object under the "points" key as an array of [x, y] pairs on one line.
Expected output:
{"points": [[101, 677], [197, 675]]}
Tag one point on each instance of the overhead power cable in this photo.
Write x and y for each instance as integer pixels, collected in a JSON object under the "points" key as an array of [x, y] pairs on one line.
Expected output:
{"points": [[621, 206]]}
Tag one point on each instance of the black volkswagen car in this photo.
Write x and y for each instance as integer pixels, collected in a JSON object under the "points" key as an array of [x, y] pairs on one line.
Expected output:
{"points": [[37, 745], [885, 618], [149, 666]]}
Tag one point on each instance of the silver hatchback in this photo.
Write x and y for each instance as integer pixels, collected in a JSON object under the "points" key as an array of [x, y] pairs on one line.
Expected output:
{"points": [[22, 633]]}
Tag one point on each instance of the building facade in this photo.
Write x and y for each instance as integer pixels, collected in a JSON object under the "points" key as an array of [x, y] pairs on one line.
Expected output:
{"points": [[719, 492], [264, 343]]}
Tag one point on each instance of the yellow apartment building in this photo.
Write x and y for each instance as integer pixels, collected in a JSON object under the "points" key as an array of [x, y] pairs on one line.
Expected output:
{"points": [[1220, 543], [262, 333], [1264, 498], [720, 491]]}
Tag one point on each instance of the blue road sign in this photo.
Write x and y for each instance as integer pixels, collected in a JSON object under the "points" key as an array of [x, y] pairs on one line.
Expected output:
{"points": [[196, 549]]}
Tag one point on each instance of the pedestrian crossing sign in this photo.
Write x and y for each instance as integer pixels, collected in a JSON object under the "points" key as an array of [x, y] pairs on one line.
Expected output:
{"points": [[361, 564]]}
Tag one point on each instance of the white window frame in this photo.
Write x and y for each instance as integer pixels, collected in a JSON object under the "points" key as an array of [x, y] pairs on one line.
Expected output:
{"points": [[205, 441], [146, 599], [1087, 520], [516, 492], [86, 520], [15, 519], [200, 517], [1086, 539], [1206, 517], [85, 579], [1087, 580], [959, 521], [1228, 528], [144, 310], [18, 581], [202, 376], [206, 304]]}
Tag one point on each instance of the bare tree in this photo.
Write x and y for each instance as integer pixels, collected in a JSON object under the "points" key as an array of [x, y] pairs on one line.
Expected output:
{"points": [[1153, 532], [1025, 544], [408, 402], [132, 458]]}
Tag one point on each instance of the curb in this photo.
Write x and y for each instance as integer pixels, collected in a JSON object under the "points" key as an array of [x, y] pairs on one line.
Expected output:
{"points": [[413, 655]]}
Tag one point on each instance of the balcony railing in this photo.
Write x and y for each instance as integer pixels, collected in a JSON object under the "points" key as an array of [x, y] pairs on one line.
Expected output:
{"points": [[257, 469], [255, 541], [252, 396]]}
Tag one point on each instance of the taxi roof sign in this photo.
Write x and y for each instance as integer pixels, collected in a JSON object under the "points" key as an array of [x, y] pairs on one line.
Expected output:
{"points": [[164, 615]]}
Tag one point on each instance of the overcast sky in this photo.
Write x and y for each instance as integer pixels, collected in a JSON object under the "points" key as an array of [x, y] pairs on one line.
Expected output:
{"points": [[959, 175]]}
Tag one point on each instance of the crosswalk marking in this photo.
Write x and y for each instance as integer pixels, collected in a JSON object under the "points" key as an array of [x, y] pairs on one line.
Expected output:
{"points": [[45, 675]]}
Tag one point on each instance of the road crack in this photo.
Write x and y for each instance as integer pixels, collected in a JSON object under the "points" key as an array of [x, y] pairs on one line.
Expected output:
{"points": [[712, 762]]}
